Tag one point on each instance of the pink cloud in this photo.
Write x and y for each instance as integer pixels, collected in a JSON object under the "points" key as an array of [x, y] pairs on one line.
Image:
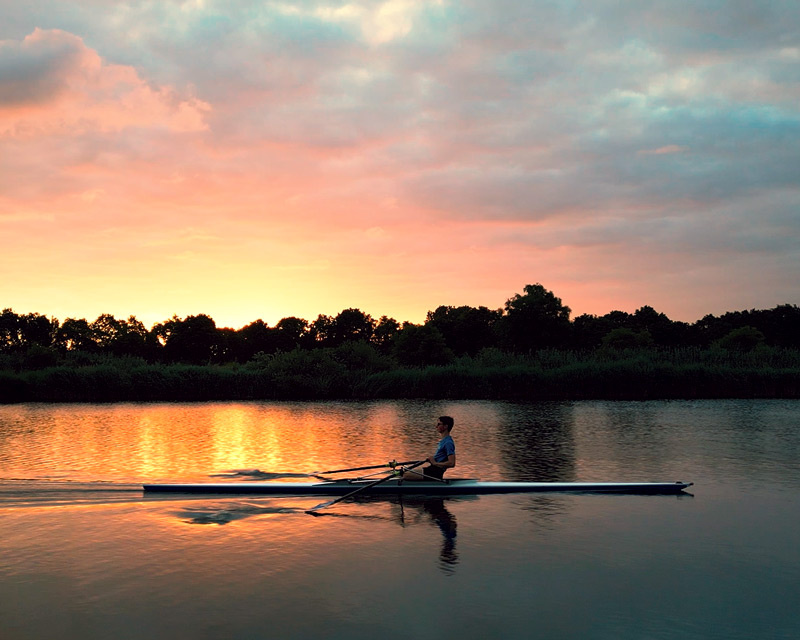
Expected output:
{"points": [[269, 159], [59, 86]]}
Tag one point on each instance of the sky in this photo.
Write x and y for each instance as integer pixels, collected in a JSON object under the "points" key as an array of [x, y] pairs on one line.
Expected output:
{"points": [[259, 160]]}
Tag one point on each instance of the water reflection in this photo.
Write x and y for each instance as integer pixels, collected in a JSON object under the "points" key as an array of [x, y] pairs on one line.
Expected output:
{"points": [[434, 511], [103, 560], [406, 511], [221, 514], [537, 441], [410, 511]]}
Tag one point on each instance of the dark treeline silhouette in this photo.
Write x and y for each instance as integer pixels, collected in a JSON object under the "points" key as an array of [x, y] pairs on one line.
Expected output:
{"points": [[458, 351]]}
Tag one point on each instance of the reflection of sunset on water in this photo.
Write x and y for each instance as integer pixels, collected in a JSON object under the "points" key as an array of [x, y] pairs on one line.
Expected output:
{"points": [[81, 541], [188, 442], [176, 442]]}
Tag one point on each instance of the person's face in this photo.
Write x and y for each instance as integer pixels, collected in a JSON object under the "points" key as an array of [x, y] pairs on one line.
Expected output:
{"points": [[441, 427]]}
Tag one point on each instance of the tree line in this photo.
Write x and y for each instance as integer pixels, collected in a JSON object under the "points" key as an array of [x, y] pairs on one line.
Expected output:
{"points": [[530, 322]]}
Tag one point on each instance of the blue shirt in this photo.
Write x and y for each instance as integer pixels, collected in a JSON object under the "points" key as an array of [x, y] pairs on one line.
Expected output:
{"points": [[445, 449]]}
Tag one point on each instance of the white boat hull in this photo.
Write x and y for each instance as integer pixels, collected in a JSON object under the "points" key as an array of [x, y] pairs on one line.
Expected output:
{"points": [[455, 486]]}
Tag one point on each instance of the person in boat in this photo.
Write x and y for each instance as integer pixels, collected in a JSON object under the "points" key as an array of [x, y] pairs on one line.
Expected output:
{"points": [[445, 456]]}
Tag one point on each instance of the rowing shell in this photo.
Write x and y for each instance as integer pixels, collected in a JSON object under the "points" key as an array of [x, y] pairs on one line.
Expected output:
{"points": [[455, 486]]}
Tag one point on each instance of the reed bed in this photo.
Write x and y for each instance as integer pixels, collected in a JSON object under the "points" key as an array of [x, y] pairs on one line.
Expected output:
{"points": [[360, 372]]}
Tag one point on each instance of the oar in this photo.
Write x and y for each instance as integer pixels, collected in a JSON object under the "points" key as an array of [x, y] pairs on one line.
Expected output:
{"points": [[324, 505], [391, 464]]}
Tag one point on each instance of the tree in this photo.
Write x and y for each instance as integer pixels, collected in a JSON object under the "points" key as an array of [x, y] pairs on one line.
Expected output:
{"points": [[76, 335], [663, 330], [466, 330], [351, 325], [421, 346], [255, 338], [193, 340], [120, 337], [37, 329], [10, 335], [320, 332], [623, 338], [291, 332], [780, 326], [741, 339], [386, 330], [105, 330], [535, 320], [133, 339], [588, 330]]}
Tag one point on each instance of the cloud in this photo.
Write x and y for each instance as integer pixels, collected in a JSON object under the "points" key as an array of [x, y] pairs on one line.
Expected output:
{"points": [[33, 71], [51, 83], [68, 118], [554, 142]]}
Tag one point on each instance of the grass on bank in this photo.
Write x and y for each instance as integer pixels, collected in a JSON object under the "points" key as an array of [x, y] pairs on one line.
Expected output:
{"points": [[358, 371]]}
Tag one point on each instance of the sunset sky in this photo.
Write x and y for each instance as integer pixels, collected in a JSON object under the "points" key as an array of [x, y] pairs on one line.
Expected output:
{"points": [[269, 159]]}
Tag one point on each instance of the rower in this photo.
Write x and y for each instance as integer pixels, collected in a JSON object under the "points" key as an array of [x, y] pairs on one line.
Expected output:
{"points": [[443, 459]]}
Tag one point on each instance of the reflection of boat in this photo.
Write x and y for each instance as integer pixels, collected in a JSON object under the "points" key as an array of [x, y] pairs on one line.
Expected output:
{"points": [[455, 486]]}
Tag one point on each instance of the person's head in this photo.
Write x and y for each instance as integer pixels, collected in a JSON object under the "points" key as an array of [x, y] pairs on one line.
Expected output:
{"points": [[445, 424]]}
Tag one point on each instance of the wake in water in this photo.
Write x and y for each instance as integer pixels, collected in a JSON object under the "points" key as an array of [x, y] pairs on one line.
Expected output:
{"points": [[35, 492], [228, 512], [223, 514]]}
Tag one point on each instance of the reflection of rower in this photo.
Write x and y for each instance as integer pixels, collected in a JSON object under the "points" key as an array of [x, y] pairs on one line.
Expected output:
{"points": [[434, 511], [446, 522], [443, 459]]}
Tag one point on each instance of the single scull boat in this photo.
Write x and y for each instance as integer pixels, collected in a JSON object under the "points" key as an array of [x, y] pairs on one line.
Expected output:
{"points": [[394, 486]]}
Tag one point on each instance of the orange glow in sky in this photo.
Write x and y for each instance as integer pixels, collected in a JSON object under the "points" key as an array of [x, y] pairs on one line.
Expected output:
{"points": [[267, 159]]}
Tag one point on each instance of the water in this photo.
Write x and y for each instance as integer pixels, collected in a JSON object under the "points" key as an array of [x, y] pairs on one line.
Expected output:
{"points": [[84, 554]]}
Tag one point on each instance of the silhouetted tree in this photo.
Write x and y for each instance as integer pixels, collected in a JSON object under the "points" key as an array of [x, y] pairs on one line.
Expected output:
{"points": [[291, 332], [37, 329], [133, 340], [255, 338], [319, 332], [351, 325], [386, 330], [76, 335], [10, 334], [663, 331], [225, 346], [624, 338], [120, 337], [534, 320], [780, 326], [193, 340], [105, 330], [466, 330], [711, 328], [741, 339], [588, 331], [421, 346]]}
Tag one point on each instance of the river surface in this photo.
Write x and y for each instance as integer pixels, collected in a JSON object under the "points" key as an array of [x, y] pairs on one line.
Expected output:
{"points": [[84, 554]]}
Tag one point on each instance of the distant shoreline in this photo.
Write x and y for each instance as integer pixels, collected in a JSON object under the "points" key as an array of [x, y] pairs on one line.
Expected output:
{"points": [[637, 375]]}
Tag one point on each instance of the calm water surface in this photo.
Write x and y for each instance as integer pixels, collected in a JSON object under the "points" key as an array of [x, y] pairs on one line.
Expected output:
{"points": [[84, 555]]}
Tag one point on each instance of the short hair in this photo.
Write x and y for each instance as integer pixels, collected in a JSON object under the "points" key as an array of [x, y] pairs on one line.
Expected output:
{"points": [[447, 421]]}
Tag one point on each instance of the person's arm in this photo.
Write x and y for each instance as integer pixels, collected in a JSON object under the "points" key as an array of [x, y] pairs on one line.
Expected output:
{"points": [[448, 464]]}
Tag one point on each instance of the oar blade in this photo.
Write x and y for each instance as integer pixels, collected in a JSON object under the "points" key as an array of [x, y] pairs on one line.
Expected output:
{"points": [[321, 505]]}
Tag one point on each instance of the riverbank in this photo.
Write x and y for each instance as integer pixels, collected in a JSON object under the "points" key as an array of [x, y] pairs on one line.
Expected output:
{"points": [[363, 374]]}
